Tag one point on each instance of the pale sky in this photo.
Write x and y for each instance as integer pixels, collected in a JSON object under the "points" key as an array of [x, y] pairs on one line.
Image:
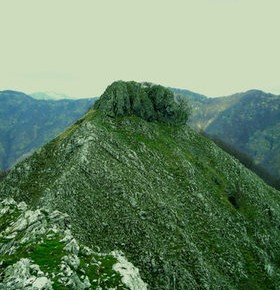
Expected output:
{"points": [[78, 47]]}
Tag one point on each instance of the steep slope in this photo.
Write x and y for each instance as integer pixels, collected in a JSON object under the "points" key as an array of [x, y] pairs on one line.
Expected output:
{"points": [[26, 123], [248, 121], [187, 214]]}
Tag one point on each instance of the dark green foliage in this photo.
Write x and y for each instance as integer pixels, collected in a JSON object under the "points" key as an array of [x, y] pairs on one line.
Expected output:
{"points": [[150, 102], [184, 104], [102, 274], [41, 253], [252, 126], [166, 109]]}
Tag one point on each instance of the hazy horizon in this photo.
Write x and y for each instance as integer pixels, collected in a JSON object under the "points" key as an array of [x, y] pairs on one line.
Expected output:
{"points": [[212, 47], [62, 95]]}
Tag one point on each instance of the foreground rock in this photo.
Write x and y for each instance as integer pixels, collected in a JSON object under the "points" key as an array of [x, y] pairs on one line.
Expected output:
{"points": [[38, 251]]}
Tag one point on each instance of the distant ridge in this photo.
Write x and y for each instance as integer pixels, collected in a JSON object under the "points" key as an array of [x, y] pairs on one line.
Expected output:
{"points": [[27, 123], [248, 121], [49, 96]]}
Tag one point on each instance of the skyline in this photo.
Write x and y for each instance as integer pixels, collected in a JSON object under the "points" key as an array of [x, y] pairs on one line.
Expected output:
{"points": [[211, 47]]}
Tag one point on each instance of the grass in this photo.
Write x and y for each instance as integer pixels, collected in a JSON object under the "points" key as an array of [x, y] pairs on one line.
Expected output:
{"points": [[99, 269], [48, 255]]}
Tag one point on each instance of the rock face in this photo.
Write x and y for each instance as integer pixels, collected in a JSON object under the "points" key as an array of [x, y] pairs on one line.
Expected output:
{"points": [[149, 102], [38, 251], [185, 213]]}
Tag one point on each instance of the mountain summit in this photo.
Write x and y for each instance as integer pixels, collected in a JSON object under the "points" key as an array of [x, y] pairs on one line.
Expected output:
{"points": [[131, 179], [148, 101]]}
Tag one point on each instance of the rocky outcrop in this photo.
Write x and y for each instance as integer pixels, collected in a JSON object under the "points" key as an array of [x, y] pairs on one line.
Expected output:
{"points": [[147, 101], [25, 275]]}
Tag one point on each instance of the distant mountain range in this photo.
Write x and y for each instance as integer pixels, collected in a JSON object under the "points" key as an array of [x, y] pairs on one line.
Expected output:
{"points": [[49, 96], [249, 121], [27, 123]]}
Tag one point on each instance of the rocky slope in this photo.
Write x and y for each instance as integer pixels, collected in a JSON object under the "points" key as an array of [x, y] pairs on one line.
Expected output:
{"points": [[184, 212], [250, 122], [26, 123], [38, 251]]}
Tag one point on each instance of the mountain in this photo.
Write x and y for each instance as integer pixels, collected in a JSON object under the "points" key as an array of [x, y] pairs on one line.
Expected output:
{"points": [[26, 123], [249, 122], [49, 96], [132, 177]]}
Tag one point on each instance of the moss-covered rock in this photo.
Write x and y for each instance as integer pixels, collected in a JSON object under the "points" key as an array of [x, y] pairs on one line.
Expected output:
{"points": [[150, 102]]}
